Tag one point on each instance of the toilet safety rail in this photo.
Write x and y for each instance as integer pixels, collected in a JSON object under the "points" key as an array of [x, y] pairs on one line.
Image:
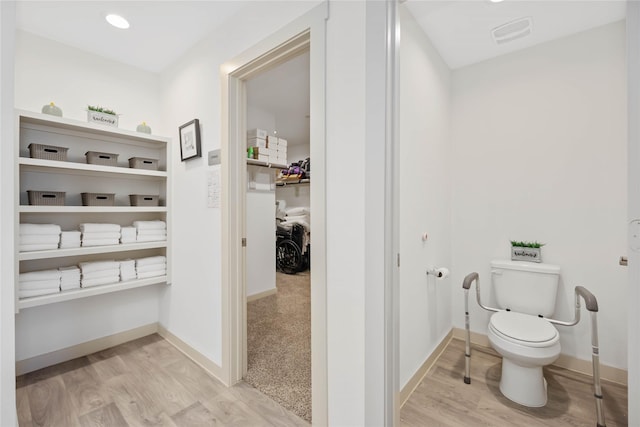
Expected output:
{"points": [[591, 305]]}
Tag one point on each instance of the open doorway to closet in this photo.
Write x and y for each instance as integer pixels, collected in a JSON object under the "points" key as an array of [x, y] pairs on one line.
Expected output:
{"points": [[278, 231]]}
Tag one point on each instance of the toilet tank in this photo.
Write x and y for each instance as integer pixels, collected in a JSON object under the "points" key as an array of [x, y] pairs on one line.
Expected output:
{"points": [[525, 287]]}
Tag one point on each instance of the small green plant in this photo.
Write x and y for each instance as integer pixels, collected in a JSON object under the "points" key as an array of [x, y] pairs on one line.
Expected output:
{"points": [[101, 110], [526, 244]]}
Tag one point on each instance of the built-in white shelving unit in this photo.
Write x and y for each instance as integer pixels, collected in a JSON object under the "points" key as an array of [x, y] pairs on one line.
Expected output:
{"points": [[74, 177]]}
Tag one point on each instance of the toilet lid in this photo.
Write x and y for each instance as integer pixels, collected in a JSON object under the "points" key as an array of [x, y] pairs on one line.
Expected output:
{"points": [[523, 327]]}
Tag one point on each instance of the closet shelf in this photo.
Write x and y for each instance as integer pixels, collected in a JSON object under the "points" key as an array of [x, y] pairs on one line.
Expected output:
{"points": [[87, 292], [28, 164], [266, 164], [90, 209], [92, 250], [297, 182]]}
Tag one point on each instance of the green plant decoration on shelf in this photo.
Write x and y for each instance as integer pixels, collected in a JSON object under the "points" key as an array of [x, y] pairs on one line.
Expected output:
{"points": [[101, 110], [525, 244]]}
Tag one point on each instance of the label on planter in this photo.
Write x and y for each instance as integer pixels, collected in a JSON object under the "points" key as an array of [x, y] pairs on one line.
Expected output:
{"points": [[102, 118], [519, 253]]}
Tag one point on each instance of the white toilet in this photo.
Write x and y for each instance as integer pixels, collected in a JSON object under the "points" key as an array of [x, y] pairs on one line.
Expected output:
{"points": [[524, 339]]}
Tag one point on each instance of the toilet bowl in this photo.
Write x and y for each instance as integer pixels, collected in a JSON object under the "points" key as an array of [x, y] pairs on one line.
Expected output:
{"points": [[526, 344]]}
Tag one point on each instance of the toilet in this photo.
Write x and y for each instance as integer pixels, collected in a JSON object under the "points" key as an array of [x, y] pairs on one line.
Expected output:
{"points": [[526, 341]]}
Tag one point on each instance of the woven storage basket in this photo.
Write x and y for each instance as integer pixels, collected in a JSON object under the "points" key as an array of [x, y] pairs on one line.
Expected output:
{"points": [[46, 198], [98, 199], [48, 152], [143, 200], [143, 163], [105, 159]]}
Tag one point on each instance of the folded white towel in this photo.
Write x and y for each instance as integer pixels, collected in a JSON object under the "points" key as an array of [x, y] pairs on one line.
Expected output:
{"points": [[127, 263], [52, 274], [160, 259], [39, 284], [298, 211], [69, 239], [70, 286], [101, 273], [99, 228], [37, 292], [100, 242], [101, 235], [70, 279], [151, 267], [70, 271], [126, 277], [150, 225], [128, 234], [154, 273], [43, 247], [90, 266], [39, 239], [159, 234], [297, 218], [87, 283], [70, 235], [157, 238], [40, 229]]}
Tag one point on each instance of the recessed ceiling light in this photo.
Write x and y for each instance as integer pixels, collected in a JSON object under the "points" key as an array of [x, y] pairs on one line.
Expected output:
{"points": [[496, 1], [117, 21]]}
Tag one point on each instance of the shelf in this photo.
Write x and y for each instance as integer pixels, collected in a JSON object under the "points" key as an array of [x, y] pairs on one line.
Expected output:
{"points": [[40, 165], [264, 164], [298, 182], [89, 209], [92, 250], [87, 292]]}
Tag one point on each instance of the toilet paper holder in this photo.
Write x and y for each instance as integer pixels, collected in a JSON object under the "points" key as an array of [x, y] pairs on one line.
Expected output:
{"points": [[440, 273]]}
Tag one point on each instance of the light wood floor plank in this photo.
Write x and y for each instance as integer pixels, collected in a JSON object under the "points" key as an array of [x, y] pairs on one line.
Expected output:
{"points": [[195, 415], [50, 404], [106, 416]]}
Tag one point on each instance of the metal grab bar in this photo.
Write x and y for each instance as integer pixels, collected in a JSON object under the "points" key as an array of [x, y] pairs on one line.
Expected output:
{"points": [[591, 305]]}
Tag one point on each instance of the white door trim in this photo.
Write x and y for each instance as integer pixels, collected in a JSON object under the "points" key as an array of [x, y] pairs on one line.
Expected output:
{"points": [[306, 32]]}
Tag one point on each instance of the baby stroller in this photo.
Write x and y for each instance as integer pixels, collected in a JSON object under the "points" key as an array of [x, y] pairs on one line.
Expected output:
{"points": [[291, 256]]}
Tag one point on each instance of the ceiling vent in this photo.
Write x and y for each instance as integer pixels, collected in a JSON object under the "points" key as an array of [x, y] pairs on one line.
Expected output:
{"points": [[512, 30]]}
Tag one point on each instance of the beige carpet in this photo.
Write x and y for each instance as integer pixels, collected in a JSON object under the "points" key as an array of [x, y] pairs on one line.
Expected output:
{"points": [[279, 344]]}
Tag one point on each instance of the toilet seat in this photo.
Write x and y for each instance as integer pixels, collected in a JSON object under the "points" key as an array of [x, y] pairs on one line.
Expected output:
{"points": [[523, 329]]}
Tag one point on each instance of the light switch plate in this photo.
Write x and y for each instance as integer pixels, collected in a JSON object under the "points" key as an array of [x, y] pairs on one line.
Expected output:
{"points": [[214, 157]]}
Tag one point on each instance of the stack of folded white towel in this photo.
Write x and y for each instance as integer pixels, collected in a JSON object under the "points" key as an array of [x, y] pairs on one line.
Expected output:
{"points": [[128, 235], [100, 234], [69, 278], [151, 267], [302, 216], [128, 270], [38, 283], [97, 273], [69, 239], [151, 231], [39, 237]]}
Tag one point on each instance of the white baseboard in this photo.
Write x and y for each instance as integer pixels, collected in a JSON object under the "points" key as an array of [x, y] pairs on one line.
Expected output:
{"points": [[48, 359], [609, 373], [417, 378], [198, 358], [261, 294]]}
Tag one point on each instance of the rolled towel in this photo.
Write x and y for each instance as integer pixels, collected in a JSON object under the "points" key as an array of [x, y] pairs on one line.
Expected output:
{"points": [[53, 274], [128, 235], [150, 225], [87, 267], [40, 229], [152, 267], [152, 238], [39, 239], [39, 284], [154, 273], [87, 283], [70, 239], [101, 273], [101, 235], [99, 228], [37, 293], [160, 259], [100, 242], [45, 247]]}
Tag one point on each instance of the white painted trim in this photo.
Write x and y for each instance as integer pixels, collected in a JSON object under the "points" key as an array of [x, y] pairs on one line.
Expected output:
{"points": [[232, 154], [571, 363], [424, 369], [198, 358], [83, 349], [262, 294]]}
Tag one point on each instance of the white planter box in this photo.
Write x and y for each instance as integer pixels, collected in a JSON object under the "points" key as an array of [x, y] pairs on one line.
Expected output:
{"points": [[518, 253], [102, 118]]}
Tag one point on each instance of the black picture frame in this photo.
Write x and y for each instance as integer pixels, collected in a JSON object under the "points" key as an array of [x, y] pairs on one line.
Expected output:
{"points": [[190, 140]]}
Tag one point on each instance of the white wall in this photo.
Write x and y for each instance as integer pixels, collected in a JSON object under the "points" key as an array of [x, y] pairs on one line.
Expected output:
{"points": [[539, 142], [261, 242], [425, 196], [49, 71]]}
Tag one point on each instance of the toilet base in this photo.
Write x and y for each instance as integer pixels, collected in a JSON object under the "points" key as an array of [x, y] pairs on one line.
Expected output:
{"points": [[524, 385]]}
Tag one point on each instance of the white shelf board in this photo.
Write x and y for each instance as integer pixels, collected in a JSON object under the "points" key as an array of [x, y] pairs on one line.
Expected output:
{"points": [[255, 162], [42, 165], [88, 292], [91, 250], [89, 209]]}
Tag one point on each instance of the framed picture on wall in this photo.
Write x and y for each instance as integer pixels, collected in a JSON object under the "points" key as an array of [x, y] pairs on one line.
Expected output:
{"points": [[190, 140]]}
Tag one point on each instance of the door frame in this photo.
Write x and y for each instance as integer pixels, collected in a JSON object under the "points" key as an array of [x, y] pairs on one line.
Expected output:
{"points": [[305, 33]]}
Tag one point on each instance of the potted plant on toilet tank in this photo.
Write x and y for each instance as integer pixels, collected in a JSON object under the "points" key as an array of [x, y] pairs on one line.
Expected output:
{"points": [[526, 251]]}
